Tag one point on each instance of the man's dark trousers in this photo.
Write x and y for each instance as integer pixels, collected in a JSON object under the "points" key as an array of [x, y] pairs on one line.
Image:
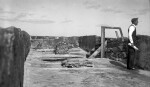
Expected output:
{"points": [[131, 58]]}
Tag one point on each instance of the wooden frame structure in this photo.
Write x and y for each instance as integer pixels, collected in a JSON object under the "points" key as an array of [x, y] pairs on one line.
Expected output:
{"points": [[103, 38]]}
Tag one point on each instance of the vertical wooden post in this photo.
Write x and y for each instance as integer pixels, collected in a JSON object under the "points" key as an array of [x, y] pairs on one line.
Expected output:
{"points": [[121, 34], [102, 41], [117, 34]]}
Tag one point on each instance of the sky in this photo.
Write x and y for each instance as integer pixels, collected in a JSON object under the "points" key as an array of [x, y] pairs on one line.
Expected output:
{"points": [[74, 17]]}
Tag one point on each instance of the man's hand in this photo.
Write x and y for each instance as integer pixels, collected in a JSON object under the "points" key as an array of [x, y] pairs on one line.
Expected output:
{"points": [[132, 45], [135, 48]]}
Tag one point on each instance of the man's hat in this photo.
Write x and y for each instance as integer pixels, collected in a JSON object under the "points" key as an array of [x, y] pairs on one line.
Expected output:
{"points": [[134, 19]]}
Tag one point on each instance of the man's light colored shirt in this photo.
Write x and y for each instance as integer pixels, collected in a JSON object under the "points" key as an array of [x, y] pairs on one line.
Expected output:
{"points": [[131, 29]]}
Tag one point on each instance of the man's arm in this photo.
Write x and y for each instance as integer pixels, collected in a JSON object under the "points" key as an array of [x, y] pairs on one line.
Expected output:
{"points": [[131, 29]]}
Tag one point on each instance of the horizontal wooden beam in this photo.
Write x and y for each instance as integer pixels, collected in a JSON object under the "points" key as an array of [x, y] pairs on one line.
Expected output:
{"points": [[111, 27]]}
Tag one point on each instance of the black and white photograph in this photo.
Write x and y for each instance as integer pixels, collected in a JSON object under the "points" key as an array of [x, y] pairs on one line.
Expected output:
{"points": [[74, 43]]}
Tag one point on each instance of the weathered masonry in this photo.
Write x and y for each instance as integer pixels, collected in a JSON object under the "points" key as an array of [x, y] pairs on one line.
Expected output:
{"points": [[14, 48]]}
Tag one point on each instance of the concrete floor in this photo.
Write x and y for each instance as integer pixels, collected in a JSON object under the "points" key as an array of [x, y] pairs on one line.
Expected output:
{"points": [[105, 73]]}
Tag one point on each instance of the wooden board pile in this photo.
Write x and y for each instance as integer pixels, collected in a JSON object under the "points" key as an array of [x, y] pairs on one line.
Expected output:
{"points": [[76, 63]]}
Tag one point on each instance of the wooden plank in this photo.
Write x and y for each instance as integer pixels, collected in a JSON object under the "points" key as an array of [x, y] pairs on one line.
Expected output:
{"points": [[97, 51]]}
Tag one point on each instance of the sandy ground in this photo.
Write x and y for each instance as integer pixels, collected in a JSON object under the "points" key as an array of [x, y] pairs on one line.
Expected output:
{"points": [[105, 73]]}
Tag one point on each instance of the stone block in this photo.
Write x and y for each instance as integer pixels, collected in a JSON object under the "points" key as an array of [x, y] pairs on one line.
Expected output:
{"points": [[14, 48]]}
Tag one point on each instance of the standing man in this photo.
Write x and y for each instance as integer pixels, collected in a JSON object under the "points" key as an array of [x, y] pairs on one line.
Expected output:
{"points": [[131, 44]]}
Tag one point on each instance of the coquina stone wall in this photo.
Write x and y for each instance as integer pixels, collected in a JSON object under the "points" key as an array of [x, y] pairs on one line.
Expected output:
{"points": [[14, 48]]}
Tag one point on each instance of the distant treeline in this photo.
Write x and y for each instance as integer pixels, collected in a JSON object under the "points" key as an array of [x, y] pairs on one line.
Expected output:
{"points": [[43, 37], [51, 41]]}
